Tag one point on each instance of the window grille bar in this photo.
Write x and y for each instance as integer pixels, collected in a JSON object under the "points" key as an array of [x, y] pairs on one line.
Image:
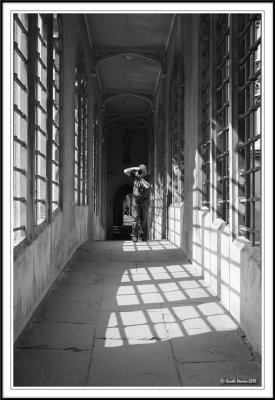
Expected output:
{"points": [[242, 34], [20, 170], [19, 52], [18, 21], [249, 200], [224, 82], [246, 57], [225, 58], [42, 178], [18, 111], [40, 201], [241, 89], [222, 155], [204, 145], [38, 105], [250, 171], [223, 131], [224, 37], [55, 163], [38, 80], [224, 107], [55, 183], [56, 87], [255, 75], [242, 145], [43, 65], [40, 37], [255, 45], [253, 108], [38, 153], [37, 128], [223, 178], [21, 199], [19, 228], [221, 202], [56, 48], [247, 229], [55, 144], [19, 82], [19, 141], [55, 124], [55, 68]]}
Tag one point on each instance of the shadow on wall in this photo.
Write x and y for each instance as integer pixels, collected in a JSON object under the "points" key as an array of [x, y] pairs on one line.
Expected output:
{"points": [[233, 270]]}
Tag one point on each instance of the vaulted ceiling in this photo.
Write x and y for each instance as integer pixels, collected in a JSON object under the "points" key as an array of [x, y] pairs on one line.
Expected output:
{"points": [[129, 55]]}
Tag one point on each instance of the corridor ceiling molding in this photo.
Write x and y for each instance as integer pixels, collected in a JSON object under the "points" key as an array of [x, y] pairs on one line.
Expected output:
{"points": [[129, 57], [103, 54]]}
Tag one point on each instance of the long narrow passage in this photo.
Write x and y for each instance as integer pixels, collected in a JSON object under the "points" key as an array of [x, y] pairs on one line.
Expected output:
{"points": [[131, 314]]}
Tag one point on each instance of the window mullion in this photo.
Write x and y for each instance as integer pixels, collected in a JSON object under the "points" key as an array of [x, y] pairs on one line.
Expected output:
{"points": [[49, 114], [31, 128]]}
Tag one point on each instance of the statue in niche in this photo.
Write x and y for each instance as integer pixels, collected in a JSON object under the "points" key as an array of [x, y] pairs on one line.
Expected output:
{"points": [[127, 141]]}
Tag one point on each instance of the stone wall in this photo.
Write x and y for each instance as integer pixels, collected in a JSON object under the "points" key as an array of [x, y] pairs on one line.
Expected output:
{"points": [[232, 267]]}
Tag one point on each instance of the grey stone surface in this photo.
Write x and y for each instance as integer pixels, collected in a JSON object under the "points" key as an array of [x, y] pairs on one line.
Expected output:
{"points": [[118, 363], [50, 367], [123, 320], [74, 312], [71, 277], [57, 335], [215, 373], [210, 346]]}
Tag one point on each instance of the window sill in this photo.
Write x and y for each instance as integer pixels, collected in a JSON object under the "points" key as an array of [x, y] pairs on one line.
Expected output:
{"points": [[19, 248]]}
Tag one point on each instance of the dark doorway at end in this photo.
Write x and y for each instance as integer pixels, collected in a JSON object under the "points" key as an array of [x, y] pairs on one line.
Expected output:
{"points": [[122, 211]]}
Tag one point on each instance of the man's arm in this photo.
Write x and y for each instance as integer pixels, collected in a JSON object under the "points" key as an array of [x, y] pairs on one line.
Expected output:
{"points": [[128, 171], [145, 183]]}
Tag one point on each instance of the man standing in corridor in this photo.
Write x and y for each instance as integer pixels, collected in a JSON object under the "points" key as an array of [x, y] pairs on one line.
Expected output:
{"points": [[140, 205]]}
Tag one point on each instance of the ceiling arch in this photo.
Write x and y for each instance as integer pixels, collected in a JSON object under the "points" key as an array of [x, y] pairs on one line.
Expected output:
{"points": [[129, 55], [116, 95], [157, 57]]}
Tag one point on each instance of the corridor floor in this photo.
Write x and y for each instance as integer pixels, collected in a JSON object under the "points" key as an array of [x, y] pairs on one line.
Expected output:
{"points": [[130, 314]]}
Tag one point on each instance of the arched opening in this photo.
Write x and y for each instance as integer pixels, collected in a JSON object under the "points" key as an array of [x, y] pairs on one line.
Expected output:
{"points": [[122, 226], [127, 210]]}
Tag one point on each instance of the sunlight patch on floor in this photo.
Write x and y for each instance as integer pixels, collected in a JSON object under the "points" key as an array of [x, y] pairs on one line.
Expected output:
{"points": [[168, 289]]}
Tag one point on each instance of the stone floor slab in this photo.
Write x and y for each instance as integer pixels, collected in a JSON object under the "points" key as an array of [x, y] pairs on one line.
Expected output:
{"points": [[216, 374], [214, 346], [76, 292], [132, 365], [86, 267], [73, 312], [125, 314], [71, 277], [57, 336], [50, 367]]}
